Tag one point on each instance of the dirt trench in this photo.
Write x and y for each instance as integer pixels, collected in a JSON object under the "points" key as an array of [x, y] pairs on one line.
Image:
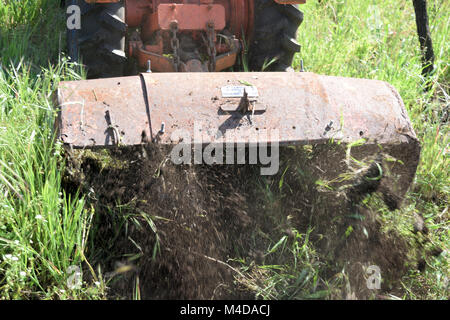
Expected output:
{"points": [[177, 228]]}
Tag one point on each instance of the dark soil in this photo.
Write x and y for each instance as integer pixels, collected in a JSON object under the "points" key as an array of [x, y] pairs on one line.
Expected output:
{"points": [[206, 215]]}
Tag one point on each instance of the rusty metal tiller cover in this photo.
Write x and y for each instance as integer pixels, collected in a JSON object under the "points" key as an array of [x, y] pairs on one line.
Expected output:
{"points": [[304, 107], [284, 108]]}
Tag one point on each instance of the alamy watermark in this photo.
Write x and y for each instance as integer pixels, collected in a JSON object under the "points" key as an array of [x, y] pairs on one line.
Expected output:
{"points": [[373, 282], [261, 147], [75, 277], [73, 17]]}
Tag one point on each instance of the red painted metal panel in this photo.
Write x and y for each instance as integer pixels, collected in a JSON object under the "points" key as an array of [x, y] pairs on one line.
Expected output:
{"points": [[191, 16]]}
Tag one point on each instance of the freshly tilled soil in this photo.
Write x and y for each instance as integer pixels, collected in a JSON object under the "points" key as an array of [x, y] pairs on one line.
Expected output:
{"points": [[176, 228]]}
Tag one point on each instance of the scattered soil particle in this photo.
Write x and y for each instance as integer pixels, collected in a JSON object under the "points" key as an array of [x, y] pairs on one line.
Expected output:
{"points": [[177, 227]]}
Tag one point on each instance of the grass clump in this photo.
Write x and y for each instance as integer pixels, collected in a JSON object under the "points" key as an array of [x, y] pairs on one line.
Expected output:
{"points": [[43, 230]]}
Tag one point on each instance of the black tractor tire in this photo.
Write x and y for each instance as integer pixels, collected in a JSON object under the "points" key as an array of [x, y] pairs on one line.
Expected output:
{"points": [[100, 43], [274, 36]]}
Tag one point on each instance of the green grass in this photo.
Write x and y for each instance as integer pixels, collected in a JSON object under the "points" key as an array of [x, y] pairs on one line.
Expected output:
{"points": [[41, 228], [43, 231]]}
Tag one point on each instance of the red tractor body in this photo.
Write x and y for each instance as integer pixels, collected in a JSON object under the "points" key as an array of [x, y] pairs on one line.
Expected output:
{"points": [[188, 35]]}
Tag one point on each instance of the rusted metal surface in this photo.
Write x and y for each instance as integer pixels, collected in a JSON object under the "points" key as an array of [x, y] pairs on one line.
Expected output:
{"points": [[85, 107], [143, 54], [229, 20], [136, 10], [191, 16], [232, 21], [304, 108], [226, 58], [239, 13], [299, 106]]}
